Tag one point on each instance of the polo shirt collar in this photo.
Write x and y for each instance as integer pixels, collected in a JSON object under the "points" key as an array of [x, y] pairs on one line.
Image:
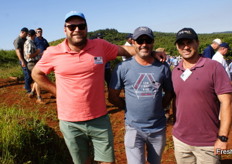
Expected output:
{"points": [[200, 63]]}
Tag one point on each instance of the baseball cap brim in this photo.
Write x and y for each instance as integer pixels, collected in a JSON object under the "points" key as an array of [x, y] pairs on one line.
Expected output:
{"points": [[184, 37]]}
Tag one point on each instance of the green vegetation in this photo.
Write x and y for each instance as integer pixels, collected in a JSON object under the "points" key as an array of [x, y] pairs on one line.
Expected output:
{"points": [[9, 62], [164, 40], [25, 138]]}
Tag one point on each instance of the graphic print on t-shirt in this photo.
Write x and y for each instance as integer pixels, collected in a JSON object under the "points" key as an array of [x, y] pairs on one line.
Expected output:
{"points": [[146, 86]]}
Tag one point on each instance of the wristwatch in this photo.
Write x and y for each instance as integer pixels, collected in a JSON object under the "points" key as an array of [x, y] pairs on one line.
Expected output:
{"points": [[223, 138]]}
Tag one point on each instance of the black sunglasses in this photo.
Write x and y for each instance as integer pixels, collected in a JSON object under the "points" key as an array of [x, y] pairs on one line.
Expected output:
{"points": [[72, 27], [142, 40]]}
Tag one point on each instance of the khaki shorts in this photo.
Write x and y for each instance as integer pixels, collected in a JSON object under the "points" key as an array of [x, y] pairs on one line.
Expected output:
{"points": [[96, 133], [185, 153]]}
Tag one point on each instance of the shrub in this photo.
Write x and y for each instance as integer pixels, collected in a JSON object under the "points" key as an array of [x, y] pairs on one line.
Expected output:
{"points": [[25, 138]]}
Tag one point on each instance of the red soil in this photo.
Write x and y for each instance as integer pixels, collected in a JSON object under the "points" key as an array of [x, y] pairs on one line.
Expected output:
{"points": [[12, 93]]}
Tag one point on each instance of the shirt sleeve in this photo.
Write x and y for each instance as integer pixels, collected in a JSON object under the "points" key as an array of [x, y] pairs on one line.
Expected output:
{"points": [[221, 80], [16, 44], [168, 78], [110, 50], [116, 81], [27, 49]]}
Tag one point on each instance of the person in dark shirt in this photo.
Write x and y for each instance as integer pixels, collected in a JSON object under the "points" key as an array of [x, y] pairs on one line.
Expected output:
{"points": [[19, 49], [210, 50], [40, 42]]}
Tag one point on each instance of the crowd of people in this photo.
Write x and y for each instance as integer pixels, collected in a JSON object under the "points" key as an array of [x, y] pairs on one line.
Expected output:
{"points": [[29, 47], [199, 87]]}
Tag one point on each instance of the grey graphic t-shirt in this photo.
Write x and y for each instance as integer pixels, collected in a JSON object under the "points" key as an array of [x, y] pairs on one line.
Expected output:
{"points": [[143, 93]]}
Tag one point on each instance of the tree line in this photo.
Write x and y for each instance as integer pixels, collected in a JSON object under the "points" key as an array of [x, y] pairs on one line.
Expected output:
{"points": [[164, 40]]}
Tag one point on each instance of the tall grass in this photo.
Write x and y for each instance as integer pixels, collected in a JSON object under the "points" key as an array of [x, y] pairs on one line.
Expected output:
{"points": [[24, 135], [9, 65], [25, 138]]}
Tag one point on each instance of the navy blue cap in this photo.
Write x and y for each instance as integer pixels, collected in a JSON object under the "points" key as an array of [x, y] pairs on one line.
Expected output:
{"points": [[142, 31], [186, 33], [31, 32], [225, 45], [24, 29], [129, 36], [73, 14]]}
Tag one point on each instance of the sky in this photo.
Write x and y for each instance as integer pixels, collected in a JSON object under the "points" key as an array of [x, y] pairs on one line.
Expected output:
{"points": [[204, 16]]}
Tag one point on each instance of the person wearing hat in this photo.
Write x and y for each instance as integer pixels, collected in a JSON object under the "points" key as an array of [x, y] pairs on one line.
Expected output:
{"points": [[19, 49], [78, 64], [31, 55], [210, 50], [220, 54], [143, 79], [230, 69], [202, 93], [128, 43]]}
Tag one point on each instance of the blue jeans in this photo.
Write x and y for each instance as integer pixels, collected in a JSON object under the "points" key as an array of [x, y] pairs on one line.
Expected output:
{"points": [[27, 78], [136, 141]]}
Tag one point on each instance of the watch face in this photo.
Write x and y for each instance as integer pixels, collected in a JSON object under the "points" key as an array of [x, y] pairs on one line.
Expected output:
{"points": [[223, 138]]}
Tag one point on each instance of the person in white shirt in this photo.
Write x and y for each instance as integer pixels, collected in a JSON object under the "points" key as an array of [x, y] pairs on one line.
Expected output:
{"points": [[230, 69], [219, 56], [128, 43]]}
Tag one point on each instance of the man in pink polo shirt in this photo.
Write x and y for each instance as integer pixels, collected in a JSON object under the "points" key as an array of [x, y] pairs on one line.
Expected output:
{"points": [[78, 64], [203, 91]]}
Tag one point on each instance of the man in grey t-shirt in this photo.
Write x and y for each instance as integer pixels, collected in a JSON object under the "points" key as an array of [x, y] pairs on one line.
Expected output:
{"points": [[144, 79], [19, 49]]}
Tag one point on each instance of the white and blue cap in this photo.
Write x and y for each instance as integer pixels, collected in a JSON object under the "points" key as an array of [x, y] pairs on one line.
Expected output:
{"points": [[73, 14]]}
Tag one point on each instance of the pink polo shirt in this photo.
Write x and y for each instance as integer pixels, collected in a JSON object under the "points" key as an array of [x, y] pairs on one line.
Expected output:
{"points": [[79, 78]]}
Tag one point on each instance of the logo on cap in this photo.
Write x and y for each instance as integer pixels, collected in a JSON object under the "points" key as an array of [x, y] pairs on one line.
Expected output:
{"points": [[185, 31]]}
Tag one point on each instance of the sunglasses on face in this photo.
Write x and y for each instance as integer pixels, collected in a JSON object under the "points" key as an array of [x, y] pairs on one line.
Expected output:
{"points": [[72, 27], [146, 40], [38, 32], [183, 43]]}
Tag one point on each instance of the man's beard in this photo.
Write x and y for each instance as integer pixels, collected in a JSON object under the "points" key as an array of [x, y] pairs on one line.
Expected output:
{"points": [[80, 43]]}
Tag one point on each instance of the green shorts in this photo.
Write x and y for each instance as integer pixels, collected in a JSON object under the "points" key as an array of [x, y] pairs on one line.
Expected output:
{"points": [[79, 136]]}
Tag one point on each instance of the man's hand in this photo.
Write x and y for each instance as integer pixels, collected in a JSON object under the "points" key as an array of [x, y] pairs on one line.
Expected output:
{"points": [[219, 145], [23, 64], [28, 56], [161, 56], [115, 99]]}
